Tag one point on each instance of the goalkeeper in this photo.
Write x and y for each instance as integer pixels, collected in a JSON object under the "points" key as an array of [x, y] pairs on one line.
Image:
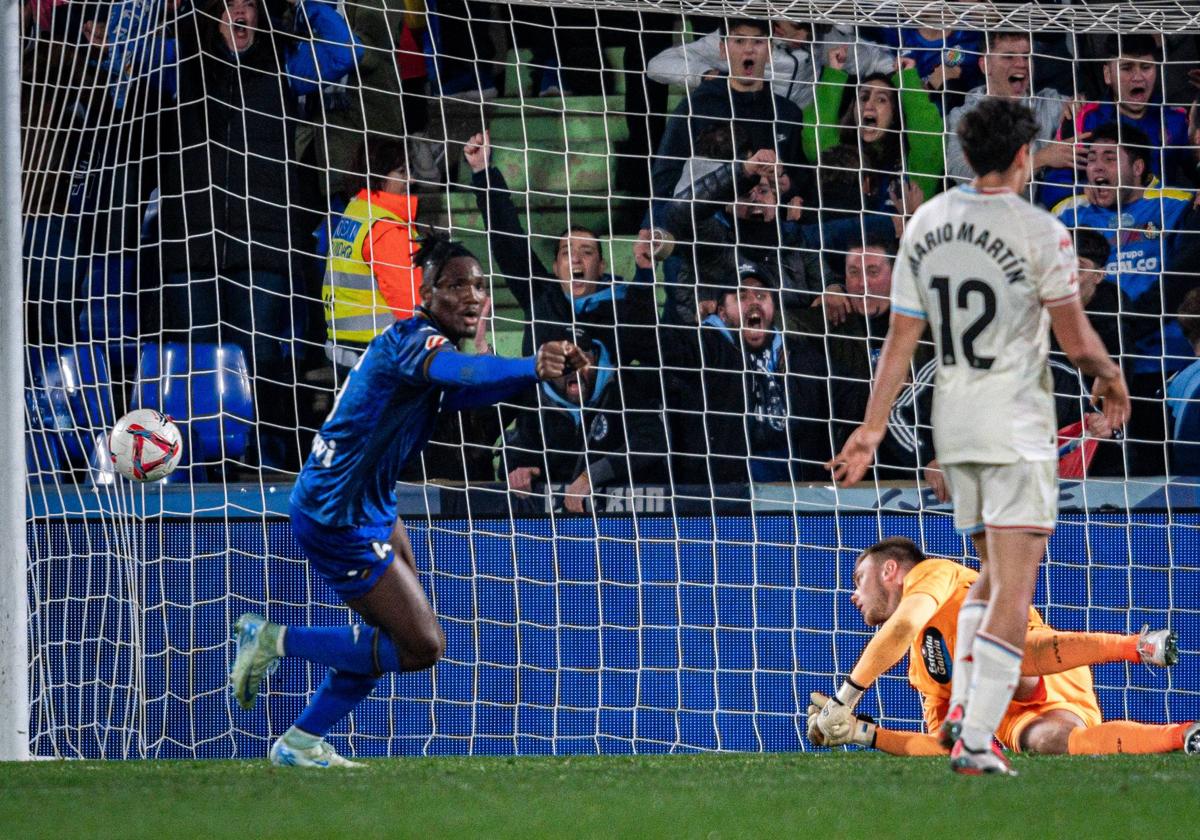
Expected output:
{"points": [[914, 601]]}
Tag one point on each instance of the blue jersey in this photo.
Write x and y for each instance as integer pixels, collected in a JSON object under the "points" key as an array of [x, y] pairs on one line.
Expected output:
{"points": [[384, 416], [1136, 234], [1136, 262], [960, 48], [1166, 127]]}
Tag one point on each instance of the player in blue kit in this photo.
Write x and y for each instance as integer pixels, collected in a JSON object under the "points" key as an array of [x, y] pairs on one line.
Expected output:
{"points": [[343, 507]]}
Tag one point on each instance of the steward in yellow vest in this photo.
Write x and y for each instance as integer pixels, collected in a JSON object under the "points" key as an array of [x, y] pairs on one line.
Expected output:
{"points": [[370, 279]]}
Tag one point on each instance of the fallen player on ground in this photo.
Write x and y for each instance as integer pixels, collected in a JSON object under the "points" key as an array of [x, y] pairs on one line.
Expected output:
{"points": [[914, 601]]}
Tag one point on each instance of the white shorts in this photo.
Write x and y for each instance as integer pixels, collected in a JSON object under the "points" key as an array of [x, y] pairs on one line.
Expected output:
{"points": [[1022, 496]]}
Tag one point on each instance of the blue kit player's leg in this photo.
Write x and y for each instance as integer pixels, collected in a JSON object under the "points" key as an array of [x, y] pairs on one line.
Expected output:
{"points": [[374, 571]]}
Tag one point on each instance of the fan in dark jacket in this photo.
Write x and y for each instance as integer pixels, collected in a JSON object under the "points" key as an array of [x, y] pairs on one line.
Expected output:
{"points": [[744, 97], [853, 347], [746, 403], [230, 188], [577, 291], [600, 428]]}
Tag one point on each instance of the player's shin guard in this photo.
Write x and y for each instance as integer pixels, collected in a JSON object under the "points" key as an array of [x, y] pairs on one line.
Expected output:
{"points": [[335, 698], [359, 649], [970, 616], [1125, 736], [996, 670]]}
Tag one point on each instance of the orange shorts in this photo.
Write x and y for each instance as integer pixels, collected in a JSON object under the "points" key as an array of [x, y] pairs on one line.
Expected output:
{"points": [[1064, 694], [1020, 716]]}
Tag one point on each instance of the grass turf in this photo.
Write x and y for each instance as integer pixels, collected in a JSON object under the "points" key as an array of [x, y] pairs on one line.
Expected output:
{"points": [[711, 796]]}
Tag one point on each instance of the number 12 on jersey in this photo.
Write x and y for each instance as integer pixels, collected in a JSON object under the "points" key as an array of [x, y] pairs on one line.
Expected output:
{"points": [[948, 304]]}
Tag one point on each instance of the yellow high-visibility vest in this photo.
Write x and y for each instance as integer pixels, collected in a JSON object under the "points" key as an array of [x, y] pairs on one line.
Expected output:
{"points": [[355, 311]]}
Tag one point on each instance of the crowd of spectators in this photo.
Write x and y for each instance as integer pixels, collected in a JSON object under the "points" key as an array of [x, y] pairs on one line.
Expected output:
{"points": [[252, 173]]}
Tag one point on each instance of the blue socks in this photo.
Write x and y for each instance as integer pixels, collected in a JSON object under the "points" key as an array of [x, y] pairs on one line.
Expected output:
{"points": [[355, 655], [336, 697], [358, 649]]}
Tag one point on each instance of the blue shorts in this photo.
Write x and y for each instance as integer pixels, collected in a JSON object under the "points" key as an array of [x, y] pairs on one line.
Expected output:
{"points": [[350, 558]]}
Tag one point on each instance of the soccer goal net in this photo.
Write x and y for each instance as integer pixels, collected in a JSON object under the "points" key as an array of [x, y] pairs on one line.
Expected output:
{"points": [[222, 201]]}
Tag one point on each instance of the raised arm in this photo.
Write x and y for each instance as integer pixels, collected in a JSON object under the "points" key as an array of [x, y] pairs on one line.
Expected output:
{"points": [[330, 51], [713, 185], [475, 381], [508, 241], [923, 128], [820, 130], [688, 64]]}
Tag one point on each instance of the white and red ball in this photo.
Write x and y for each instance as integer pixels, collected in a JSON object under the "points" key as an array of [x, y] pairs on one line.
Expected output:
{"points": [[145, 445]]}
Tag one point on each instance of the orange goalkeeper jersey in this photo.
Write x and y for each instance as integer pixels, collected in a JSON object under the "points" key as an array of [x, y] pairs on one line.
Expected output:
{"points": [[931, 657]]}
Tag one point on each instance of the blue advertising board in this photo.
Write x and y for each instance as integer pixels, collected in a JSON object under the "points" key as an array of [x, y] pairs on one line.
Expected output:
{"points": [[565, 634]]}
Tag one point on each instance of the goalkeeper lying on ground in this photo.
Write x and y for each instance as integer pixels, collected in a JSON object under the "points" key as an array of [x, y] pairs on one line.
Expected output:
{"points": [[914, 601]]}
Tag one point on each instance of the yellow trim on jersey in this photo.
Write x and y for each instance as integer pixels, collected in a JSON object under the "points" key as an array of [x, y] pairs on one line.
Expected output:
{"points": [[1069, 201], [1169, 192]]}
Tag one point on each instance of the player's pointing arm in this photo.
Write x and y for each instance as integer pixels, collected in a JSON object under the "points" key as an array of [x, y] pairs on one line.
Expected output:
{"points": [[1087, 352]]}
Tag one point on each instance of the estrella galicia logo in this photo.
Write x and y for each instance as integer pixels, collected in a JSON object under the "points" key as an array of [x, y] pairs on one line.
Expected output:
{"points": [[936, 656]]}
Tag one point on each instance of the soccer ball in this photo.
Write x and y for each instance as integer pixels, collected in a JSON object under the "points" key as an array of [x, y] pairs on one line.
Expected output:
{"points": [[145, 445]]}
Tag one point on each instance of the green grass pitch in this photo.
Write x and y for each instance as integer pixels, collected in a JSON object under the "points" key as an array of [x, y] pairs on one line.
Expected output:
{"points": [[708, 796]]}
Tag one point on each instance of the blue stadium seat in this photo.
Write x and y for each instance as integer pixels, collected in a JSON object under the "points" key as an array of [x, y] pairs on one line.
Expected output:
{"points": [[108, 315], [70, 402], [207, 392]]}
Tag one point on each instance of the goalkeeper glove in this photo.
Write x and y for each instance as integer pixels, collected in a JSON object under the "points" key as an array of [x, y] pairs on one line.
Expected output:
{"points": [[859, 729], [838, 712]]}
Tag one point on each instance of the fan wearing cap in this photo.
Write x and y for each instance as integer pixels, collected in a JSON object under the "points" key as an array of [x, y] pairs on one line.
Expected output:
{"points": [[590, 429], [750, 403]]}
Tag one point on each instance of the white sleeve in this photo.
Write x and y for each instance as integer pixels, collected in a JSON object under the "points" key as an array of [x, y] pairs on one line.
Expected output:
{"points": [[1056, 279], [906, 292], [791, 75], [686, 64]]}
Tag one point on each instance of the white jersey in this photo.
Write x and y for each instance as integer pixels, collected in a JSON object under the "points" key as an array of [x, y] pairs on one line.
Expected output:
{"points": [[982, 268]]}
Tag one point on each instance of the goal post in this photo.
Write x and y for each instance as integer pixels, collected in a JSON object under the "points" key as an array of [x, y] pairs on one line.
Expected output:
{"points": [[670, 616], [14, 612]]}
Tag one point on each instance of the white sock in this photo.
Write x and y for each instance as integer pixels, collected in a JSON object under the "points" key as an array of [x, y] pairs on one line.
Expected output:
{"points": [[994, 676], [299, 739], [970, 616]]}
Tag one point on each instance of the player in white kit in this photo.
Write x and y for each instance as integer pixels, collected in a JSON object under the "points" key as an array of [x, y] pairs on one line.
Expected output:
{"points": [[991, 274]]}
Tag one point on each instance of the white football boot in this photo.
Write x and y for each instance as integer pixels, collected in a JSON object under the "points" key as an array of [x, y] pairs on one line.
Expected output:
{"points": [[299, 749]]}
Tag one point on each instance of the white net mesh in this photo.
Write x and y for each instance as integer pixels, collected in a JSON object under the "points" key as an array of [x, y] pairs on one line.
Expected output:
{"points": [[221, 203]]}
